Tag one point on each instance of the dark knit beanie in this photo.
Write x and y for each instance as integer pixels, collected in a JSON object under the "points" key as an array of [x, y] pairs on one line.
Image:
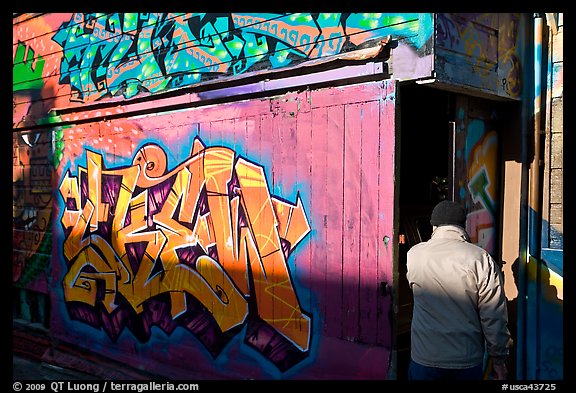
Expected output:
{"points": [[448, 213]]}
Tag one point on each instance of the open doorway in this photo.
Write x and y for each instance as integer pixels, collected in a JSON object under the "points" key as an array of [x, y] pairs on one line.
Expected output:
{"points": [[439, 159], [425, 167]]}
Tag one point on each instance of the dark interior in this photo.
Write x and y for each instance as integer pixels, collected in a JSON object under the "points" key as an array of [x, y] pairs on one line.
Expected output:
{"points": [[425, 114]]}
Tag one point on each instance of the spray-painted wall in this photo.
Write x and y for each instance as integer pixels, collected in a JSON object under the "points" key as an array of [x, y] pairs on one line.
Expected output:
{"points": [[243, 237], [210, 235], [78, 59], [85, 58], [479, 51], [250, 239], [477, 167]]}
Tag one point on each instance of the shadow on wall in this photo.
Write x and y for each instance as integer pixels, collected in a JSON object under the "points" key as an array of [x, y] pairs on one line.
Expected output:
{"points": [[31, 200], [543, 320], [207, 248], [193, 343]]}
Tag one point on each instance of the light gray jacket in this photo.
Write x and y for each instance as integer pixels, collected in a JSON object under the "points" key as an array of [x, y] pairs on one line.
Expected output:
{"points": [[459, 301]]}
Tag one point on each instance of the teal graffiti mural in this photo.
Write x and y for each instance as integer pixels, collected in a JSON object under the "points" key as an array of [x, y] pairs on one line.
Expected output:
{"points": [[129, 53]]}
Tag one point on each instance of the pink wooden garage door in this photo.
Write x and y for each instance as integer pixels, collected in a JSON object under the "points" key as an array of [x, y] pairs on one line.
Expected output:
{"points": [[277, 210]]}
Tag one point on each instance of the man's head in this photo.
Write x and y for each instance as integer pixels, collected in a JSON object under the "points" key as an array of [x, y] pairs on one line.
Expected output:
{"points": [[448, 213]]}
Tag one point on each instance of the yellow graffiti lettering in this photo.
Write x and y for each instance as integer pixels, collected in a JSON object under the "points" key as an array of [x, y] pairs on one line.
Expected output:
{"points": [[94, 190], [82, 286], [277, 302], [208, 228]]}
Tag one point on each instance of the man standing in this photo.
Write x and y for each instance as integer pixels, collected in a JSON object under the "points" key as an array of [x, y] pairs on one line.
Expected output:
{"points": [[459, 303]]}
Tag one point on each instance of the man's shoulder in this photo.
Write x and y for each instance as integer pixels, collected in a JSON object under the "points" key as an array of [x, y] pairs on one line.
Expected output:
{"points": [[476, 247], [478, 253], [417, 247]]}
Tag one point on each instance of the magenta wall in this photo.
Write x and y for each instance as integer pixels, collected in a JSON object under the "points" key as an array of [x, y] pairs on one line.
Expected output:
{"points": [[270, 268], [242, 240]]}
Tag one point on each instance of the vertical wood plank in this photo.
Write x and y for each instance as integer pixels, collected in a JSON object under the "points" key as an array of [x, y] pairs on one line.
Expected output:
{"points": [[185, 135], [319, 213], [204, 133], [229, 133], [285, 155], [368, 301], [265, 158], [216, 133], [304, 176], [335, 221], [249, 138], [351, 237], [245, 135], [252, 138], [240, 125], [386, 194]]}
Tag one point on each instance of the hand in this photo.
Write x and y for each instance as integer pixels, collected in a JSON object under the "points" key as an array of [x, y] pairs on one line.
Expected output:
{"points": [[500, 371]]}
